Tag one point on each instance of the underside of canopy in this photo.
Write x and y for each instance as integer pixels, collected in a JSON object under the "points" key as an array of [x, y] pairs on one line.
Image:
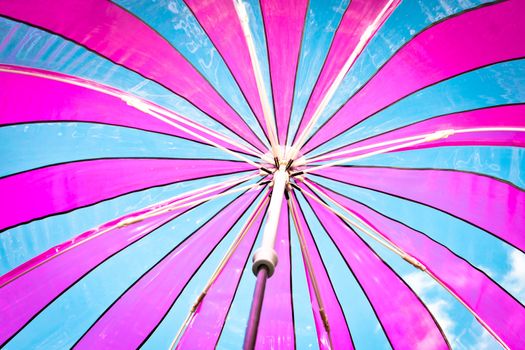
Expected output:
{"points": [[142, 142]]}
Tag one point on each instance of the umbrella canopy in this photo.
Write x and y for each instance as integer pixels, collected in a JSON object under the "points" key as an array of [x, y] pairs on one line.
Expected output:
{"points": [[364, 159]]}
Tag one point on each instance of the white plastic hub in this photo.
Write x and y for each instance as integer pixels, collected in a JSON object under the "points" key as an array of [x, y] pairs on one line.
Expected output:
{"points": [[266, 254]]}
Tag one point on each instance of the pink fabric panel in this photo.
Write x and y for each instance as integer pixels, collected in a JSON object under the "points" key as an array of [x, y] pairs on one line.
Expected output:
{"points": [[56, 101], [474, 39], [283, 22], [488, 203], [220, 21], [340, 335], [21, 299], [276, 327], [143, 306], [506, 317], [407, 323], [60, 188], [504, 116], [359, 15], [121, 37], [204, 330]]}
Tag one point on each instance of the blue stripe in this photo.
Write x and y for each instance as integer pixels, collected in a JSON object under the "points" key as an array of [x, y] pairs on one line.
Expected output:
{"points": [[484, 251], [504, 163], [305, 331], [498, 84], [364, 326], [36, 48], [67, 142], [165, 333], [322, 20], [66, 319], [410, 18], [232, 335], [174, 21], [459, 325], [27, 241]]}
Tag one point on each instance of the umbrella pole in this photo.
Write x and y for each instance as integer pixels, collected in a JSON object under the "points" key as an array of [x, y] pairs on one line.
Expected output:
{"points": [[255, 311], [265, 258]]}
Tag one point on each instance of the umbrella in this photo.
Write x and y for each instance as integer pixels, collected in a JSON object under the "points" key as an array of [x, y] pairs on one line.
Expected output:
{"points": [[272, 174]]}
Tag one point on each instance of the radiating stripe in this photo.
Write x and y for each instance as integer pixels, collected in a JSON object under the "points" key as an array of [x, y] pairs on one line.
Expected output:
{"points": [[499, 116], [485, 251], [304, 323], [276, 327], [176, 23], [40, 235], [322, 21], [283, 24], [43, 284], [36, 48], [148, 300], [470, 284], [59, 101], [359, 15], [339, 331], [414, 326], [74, 141], [492, 205], [410, 18], [62, 322], [61, 188], [221, 23], [144, 52], [440, 52], [206, 326], [495, 85], [502, 163], [367, 332]]}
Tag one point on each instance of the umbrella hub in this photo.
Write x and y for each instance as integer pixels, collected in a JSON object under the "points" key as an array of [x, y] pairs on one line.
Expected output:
{"points": [[266, 255], [274, 161]]}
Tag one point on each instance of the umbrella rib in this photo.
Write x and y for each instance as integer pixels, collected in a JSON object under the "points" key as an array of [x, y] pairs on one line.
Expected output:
{"points": [[263, 95], [412, 138], [412, 141], [169, 208], [363, 41], [310, 269], [147, 108], [235, 244], [379, 237], [183, 198]]}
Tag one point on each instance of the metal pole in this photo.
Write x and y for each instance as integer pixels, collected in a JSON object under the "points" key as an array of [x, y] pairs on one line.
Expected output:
{"points": [[265, 258], [255, 311]]}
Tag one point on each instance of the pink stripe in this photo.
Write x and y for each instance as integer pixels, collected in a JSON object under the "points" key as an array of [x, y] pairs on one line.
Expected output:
{"points": [[44, 277], [412, 328], [449, 48], [359, 15], [60, 188], [204, 330], [507, 320], [283, 22], [40, 286], [116, 34], [338, 327], [490, 204], [276, 328], [55, 101], [504, 116], [142, 307], [220, 21]]}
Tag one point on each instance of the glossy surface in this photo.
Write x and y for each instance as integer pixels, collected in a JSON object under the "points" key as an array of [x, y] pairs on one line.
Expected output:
{"points": [[76, 159]]}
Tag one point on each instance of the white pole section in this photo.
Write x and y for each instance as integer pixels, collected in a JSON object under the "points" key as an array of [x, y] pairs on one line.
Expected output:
{"points": [[266, 254]]}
